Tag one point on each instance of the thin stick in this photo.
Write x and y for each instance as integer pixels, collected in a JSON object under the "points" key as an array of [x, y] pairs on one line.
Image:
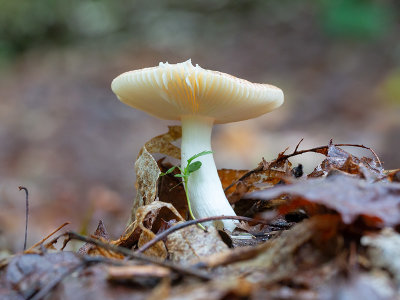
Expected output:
{"points": [[129, 253], [297, 147], [260, 167], [44, 239], [26, 212], [172, 229], [284, 157]]}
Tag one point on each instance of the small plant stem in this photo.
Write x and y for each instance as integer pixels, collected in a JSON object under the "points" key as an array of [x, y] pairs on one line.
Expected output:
{"points": [[189, 206], [26, 212]]}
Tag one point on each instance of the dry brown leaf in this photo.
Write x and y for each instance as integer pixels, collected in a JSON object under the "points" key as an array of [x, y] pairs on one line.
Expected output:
{"points": [[147, 173], [278, 250], [277, 258], [228, 176], [146, 167], [377, 203], [91, 249], [393, 175], [337, 158], [148, 221], [163, 143], [192, 243], [255, 179]]}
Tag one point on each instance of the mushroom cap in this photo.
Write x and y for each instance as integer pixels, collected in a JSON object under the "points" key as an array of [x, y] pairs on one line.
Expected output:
{"points": [[171, 91]]}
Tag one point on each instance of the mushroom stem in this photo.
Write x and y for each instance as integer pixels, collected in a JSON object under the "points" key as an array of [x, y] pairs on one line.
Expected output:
{"points": [[206, 195]]}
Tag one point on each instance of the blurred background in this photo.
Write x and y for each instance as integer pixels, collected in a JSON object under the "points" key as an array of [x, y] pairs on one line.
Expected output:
{"points": [[66, 137]]}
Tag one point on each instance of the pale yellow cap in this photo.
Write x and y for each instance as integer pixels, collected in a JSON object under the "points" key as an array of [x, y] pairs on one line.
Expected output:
{"points": [[170, 91]]}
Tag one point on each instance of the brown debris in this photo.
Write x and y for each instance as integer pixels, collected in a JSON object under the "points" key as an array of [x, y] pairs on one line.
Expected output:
{"points": [[147, 222], [190, 244], [100, 232]]}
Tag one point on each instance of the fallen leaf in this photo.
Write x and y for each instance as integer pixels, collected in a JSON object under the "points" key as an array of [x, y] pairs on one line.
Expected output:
{"points": [[100, 232], [163, 143], [337, 158], [146, 167], [277, 251], [147, 173], [378, 203], [148, 220], [278, 259], [192, 243]]}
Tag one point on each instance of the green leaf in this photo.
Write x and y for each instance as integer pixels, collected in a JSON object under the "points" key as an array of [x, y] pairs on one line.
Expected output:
{"points": [[170, 170], [194, 166], [179, 175], [198, 155]]}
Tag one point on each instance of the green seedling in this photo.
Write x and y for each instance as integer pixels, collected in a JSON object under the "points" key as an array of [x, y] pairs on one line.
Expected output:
{"points": [[191, 166]]}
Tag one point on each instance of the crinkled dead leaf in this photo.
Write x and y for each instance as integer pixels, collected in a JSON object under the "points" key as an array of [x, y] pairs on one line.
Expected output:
{"points": [[146, 167], [254, 179], [280, 250], [192, 243], [279, 258], [377, 203], [147, 173], [100, 232], [148, 220], [337, 158], [163, 143]]}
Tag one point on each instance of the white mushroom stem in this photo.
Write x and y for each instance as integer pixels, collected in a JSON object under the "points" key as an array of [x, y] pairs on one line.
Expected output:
{"points": [[207, 198]]}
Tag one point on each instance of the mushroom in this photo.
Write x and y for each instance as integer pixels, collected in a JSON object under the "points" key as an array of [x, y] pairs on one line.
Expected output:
{"points": [[199, 98]]}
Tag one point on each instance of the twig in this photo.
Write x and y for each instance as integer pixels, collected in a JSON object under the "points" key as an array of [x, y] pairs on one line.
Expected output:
{"points": [[317, 149], [260, 167], [172, 229], [44, 239], [298, 144], [139, 256], [26, 212]]}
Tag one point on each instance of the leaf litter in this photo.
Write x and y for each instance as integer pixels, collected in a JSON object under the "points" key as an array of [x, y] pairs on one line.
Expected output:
{"points": [[331, 234]]}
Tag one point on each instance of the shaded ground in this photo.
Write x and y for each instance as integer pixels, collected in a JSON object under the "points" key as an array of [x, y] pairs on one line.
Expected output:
{"points": [[65, 136]]}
